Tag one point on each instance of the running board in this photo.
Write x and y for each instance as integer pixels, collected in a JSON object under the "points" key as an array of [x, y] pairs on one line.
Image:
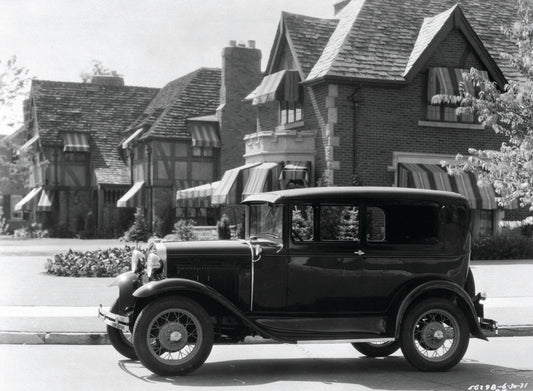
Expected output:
{"points": [[346, 340]]}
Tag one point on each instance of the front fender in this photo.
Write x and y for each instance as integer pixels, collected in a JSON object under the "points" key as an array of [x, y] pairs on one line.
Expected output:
{"points": [[178, 285], [438, 287], [127, 284]]}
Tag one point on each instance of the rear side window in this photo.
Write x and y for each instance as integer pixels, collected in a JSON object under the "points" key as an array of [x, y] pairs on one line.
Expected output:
{"points": [[402, 224]]}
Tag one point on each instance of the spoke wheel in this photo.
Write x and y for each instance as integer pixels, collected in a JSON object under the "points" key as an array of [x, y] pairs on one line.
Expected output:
{"points": [[173, 336], [121, 341], [377, 349], [434, 335]]}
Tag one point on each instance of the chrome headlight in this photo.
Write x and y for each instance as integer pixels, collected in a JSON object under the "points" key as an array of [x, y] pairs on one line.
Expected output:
{"points": [[137, 261], [156, 264]]}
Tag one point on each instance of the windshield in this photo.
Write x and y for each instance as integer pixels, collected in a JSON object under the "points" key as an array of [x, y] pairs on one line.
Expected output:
{"points": [[266, 220]]}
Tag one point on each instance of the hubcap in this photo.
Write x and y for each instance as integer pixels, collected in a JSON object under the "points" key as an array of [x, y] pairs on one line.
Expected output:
{"points": [[173, 336], [433, 335]]}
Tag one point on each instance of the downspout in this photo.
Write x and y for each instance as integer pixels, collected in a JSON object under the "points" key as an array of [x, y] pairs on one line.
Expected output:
{"points": [[355, 98], [149, 185]]}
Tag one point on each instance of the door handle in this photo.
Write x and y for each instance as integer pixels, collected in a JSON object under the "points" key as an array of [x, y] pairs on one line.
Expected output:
{"points": [[359, 252]]}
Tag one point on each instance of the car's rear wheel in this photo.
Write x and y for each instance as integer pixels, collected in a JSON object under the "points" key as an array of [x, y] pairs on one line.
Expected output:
{"points": [[434, 335], [173, 336], [377, 349], [121, 341]]}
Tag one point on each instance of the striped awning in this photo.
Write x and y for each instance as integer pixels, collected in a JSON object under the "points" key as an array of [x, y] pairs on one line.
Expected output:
{"points": [[132, 137], [282, 85], [204, 135], [76, 142], [123, 201], [295, 171], [45, 202], [434, 177], [27, 198], [27, 145], [198, 196], [231, 185], [264, 177]]}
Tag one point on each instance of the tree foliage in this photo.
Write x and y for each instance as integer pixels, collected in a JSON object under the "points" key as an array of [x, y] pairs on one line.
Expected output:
{"points": [[510, 114], [14, 82]]}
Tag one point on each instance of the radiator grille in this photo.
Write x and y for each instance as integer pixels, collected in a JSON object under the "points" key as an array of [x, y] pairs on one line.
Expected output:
{"points": [[222, 278]]}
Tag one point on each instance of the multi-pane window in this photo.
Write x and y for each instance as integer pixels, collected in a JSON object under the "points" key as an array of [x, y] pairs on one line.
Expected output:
{"points": [[445, 88], [486, 223], [202, 151], [290, 112]]}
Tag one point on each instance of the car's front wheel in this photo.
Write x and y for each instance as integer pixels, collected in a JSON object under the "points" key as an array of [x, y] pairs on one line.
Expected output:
{"points": [[173, 336], [377, 349], [434, 335], [121, 340]]}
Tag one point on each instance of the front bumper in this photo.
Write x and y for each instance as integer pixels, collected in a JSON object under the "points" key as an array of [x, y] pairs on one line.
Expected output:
{"points": [[117, 321]]}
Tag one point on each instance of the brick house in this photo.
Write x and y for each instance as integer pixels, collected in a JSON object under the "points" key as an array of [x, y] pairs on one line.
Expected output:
{"points": [[347, 100], [72, 131]]}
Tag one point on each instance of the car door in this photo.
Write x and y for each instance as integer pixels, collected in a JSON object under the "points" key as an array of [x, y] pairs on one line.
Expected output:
{"points": [[325, 258]]}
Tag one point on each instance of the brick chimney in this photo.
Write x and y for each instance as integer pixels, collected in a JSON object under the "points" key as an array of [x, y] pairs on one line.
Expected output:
{"points": [[339, 6], [241, 74], [107, 80]]}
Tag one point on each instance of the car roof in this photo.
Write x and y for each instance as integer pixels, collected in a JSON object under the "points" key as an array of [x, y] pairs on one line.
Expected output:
{"points": [[338, 193]]}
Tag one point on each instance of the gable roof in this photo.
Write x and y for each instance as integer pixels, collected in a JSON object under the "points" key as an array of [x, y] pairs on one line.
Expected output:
{"points": [[195, 94], [374, 39], [306, 36], [102, 111]]}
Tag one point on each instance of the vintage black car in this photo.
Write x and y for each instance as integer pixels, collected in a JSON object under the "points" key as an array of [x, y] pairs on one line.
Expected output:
{"points": [[381, 268]]}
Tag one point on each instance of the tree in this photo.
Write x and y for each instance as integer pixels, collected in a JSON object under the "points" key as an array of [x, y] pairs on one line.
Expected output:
{"points": [[139, 231], [509, 113], [97, 69], [14, 81]]}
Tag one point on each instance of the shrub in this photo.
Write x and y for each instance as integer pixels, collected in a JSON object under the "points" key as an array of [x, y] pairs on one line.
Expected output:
{"points": [[34, 231], [183, 231], [139, 231], [4, 226], [502, 247], [99, 263]]}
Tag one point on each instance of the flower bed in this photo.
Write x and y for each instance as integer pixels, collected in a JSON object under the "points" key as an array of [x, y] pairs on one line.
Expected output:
{"points": [[100, 263]]}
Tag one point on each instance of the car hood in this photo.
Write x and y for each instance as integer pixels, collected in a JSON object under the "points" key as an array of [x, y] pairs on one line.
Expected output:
{"points": [[211, 247]]}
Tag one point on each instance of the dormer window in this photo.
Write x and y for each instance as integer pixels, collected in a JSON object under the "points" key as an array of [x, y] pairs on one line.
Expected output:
{"points": [[444, 94], [284, 87]]}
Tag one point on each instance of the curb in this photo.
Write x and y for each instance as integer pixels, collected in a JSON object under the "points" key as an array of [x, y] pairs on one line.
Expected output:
{"points": [[51, 338]]}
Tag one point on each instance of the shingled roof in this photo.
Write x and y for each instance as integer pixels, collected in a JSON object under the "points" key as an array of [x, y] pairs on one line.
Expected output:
{"points": [[192, 95], [308, 36], [102, 111], [374, 38]]}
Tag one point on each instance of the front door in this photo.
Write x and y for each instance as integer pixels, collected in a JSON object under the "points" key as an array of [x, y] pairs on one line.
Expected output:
{"points": [[325, 267]]}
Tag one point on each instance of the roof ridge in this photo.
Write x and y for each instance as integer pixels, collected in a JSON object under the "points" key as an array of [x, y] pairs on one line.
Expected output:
{"points": [[283, 13], [82, 84], [337, 41]]}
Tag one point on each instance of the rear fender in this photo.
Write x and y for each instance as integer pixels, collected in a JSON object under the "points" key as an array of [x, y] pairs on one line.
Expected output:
{"points": [[437, 289], [183, 286]]}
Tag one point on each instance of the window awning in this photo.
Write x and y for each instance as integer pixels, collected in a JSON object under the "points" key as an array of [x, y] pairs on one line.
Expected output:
{"points": [[45, 202], [434, 177], [27, 145], [76, 142], [262, 178], [231, 185], [123, 201], [132, 137], [198, 196], [295, 171], [282, 85], [204, 135], [27, 198]]}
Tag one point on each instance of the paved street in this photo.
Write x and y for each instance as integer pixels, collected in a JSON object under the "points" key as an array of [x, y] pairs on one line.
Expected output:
{"points": [[264, 367]]}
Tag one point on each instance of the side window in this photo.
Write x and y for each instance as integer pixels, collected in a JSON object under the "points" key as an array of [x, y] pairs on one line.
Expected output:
{"points": [[403, 224], [339, 223], [302, 223]]}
